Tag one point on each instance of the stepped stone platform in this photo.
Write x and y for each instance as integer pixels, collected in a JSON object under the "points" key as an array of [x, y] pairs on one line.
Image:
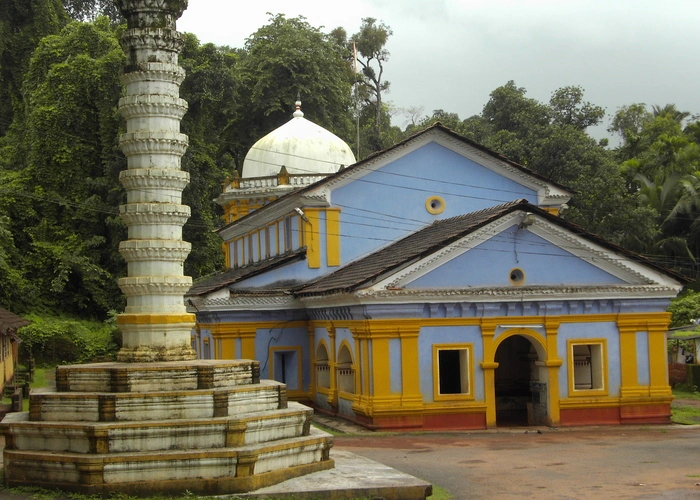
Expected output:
{"points": [[208, 427]]}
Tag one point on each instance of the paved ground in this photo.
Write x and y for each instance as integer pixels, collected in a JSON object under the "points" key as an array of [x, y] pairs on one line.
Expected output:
{"points": [[613, 462]]}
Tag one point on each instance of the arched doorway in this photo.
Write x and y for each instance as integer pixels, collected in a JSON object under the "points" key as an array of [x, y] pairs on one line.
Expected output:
{"points": [[521, 391]]}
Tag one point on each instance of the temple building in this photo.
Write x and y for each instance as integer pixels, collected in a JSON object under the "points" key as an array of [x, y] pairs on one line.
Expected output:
{"points": [[433, 285]]}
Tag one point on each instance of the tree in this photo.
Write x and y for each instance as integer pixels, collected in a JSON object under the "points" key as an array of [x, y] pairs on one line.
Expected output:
{"points": [[70, 231], [210, 123], [23, 24], [370, 45], [569, 108], [628, 123], [89, 10], [286, 58]]}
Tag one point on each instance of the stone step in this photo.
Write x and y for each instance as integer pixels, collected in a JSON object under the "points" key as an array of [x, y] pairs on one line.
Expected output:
{"points": [[157, 376], [53, 406], [119, 437], [216, 471]]}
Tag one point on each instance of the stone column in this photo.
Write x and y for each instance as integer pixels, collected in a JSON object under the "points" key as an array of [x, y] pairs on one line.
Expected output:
{"points": [[155, 325]]}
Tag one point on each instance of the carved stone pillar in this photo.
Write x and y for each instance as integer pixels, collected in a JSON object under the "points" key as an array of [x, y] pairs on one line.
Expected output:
{"points": [[155, 325]]}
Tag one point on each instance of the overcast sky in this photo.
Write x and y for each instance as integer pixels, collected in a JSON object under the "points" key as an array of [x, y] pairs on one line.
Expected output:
{"points": [[450, 54]]}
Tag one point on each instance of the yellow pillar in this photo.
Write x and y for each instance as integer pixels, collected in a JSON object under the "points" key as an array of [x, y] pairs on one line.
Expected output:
{"points": [[380, 369], [312, 239], [332, 366], [553, 365], [363, 389], [488, 365], [658, 359], [629, 380], [332, 237], [247, 335], [411, 395], [312, 362]]}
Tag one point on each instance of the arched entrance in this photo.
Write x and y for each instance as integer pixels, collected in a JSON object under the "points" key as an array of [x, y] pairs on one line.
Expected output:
{"points": [[520, 384]]}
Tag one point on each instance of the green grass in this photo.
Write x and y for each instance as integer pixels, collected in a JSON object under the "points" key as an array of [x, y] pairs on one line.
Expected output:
{"points": [[684, 413], [687, 415], [40, 377], [686, 394], [440, 494]]}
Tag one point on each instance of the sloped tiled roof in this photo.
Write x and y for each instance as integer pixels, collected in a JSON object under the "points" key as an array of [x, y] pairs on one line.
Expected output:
{"points": [[426, 241], [10, 322], [413, 247], [232, 276]]}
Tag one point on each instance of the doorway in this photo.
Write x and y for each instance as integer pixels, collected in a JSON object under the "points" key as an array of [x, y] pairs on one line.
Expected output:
{"points": [[520, 394]]}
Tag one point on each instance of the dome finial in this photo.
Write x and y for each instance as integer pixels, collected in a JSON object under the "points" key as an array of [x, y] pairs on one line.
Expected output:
{"points": [[298, 113]]}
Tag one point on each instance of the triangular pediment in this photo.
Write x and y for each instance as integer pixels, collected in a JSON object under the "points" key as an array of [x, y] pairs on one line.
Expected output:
{"points": [[511, 253], [440, 156]]}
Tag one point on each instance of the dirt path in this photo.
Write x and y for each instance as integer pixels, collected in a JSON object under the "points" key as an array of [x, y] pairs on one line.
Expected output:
{"points": [[612, 462]]}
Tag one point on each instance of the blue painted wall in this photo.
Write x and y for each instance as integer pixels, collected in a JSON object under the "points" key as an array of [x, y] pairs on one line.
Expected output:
{"points": [[490, 263], [280, 338], [430, 335], [643, 358], [371, 215], [395, 366], [581, 331]]}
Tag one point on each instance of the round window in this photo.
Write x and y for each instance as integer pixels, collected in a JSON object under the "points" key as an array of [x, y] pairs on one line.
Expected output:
{"points": [[517, 276], [435, 205]]}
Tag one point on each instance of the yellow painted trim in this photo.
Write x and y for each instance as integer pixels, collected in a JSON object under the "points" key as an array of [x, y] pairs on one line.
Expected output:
{"points": [[247, 337], [528, 333], [332, 237], [317, 362], [465, 396], [260, 252], [435, 205], [364, 382], [351, 350], [299, 351], [323, 343], [226, 249], [658, 362], [488, 365], [585, 393], [311, 238], [227, 349], [353, 366], [589, 402], [410, 361], [155, 319], [553, 365], [629, 380]]}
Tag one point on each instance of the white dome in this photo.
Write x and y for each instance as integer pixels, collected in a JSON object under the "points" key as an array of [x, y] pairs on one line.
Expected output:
{"points": [[299, 145]]}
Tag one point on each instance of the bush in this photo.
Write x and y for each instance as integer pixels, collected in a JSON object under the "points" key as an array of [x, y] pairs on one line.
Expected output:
{"points": [[685, 308], [58, 340]]}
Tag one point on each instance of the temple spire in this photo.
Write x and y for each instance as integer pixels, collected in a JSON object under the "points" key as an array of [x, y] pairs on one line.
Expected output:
{"points": [[155, 325]]}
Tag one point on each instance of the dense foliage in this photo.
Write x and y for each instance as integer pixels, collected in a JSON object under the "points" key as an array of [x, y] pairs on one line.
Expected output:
{"points": [[60, 159], [49, 340]]}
